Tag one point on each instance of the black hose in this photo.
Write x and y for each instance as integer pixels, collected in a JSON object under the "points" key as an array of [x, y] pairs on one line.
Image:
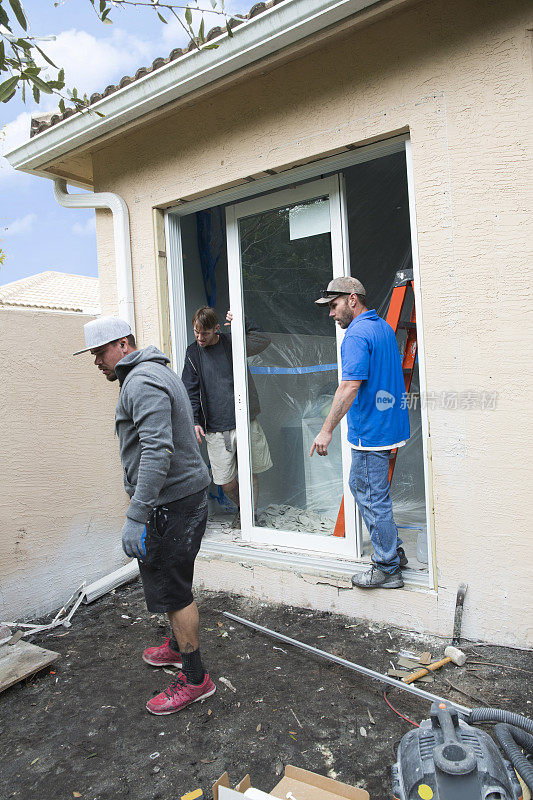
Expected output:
{"points": [[512, 740], [499, 715], [512, 737]]}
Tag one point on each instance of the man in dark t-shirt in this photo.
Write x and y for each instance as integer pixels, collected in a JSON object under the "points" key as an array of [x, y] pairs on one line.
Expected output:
{"points": [[208, 378]]}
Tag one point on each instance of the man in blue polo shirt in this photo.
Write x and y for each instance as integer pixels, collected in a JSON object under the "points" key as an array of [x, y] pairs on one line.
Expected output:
{"points": [[370, 393]]}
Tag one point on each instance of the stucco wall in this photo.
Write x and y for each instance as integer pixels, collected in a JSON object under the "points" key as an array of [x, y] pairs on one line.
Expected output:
{"points": [[457, 75], [62, 502]]}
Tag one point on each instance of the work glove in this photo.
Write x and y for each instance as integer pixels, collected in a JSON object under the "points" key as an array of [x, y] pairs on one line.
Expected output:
{"points": [[134, 538]]}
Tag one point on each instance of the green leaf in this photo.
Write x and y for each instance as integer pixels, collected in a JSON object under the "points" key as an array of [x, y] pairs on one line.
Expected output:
{"points": [[102, 6], [228, 28], [2, 54], [42, 85], [7, 88], [36, 94], [188, 16], [61, 76], [161, 17], [213, 3], [210, 47], [201, 30], [45, 56], [19, 13], [4, 19], [62, 106]]}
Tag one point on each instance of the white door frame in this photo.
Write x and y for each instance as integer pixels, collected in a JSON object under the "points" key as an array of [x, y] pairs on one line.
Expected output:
{"points": [[176, 291], [178, 323], [335, 545], [426, 442]]}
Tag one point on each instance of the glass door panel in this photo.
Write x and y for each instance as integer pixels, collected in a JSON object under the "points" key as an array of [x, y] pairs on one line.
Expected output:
{"points": [[283, 250]]}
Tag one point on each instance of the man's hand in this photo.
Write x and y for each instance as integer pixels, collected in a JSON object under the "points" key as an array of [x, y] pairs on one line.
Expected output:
{"points": [[134, 538], [321, 444], [229, 317], [199, 431]]}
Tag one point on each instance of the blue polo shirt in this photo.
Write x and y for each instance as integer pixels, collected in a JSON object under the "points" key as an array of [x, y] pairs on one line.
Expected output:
{"points": [[369, 353]]}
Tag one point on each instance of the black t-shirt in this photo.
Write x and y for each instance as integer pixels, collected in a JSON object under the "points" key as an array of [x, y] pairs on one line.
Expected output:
{"points": [[217, 373]]}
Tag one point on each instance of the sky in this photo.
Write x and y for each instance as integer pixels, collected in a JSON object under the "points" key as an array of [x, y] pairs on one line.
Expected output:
{"points": [[36, 233]]}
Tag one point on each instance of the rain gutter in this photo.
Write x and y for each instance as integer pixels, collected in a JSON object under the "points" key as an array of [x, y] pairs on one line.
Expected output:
{"points": [[121, 231], [278, 27]]}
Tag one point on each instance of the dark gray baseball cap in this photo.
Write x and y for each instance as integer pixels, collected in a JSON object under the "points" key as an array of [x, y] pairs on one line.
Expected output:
{"points": [[338, 287]]}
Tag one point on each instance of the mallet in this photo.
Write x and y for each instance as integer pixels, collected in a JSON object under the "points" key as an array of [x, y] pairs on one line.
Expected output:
{"points": [[452, 654]]}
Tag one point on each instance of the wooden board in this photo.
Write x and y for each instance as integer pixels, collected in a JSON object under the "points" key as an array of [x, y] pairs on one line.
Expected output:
{"points": [[22, 659]]}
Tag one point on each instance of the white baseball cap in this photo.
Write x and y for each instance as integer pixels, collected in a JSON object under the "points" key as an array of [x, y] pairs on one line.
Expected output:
{"points": [[102, 331]]}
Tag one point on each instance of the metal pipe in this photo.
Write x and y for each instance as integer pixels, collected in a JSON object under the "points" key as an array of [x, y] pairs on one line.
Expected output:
{"points": [[121, 231], [370, 673]]}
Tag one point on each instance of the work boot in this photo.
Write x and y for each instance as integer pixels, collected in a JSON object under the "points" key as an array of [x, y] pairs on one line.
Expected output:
{"points": [[374, 578], [401, 555], [180, 694], [162, 656], [236, 521]]}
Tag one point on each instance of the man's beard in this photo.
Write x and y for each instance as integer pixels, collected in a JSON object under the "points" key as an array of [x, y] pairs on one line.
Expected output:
{"points": [[345, 319]]}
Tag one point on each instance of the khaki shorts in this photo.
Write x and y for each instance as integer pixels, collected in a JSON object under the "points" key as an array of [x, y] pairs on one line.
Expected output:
{"points": [[224, 462]]}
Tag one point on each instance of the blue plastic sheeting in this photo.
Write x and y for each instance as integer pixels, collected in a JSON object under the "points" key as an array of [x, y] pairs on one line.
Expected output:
{"points": [[292, 370]]}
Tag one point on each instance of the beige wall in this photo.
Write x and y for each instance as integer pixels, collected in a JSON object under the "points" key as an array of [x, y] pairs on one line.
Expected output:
{"points": [[62, 502], [457, 75]]}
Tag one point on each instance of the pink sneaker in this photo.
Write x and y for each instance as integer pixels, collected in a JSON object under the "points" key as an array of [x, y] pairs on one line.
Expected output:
{"points": [[162, 656], [180, 694]]}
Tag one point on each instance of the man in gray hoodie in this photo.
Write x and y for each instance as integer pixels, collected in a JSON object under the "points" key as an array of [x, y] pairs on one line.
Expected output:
{"points": [[166, 479]]}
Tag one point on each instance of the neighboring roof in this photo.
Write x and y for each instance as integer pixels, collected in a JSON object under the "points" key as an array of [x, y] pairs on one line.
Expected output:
{"points": [[40, 122], [275, 29], [53, 291]]}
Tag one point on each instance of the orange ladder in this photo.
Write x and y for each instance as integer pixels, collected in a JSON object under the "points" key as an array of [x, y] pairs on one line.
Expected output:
{"points": [[402, 282]]}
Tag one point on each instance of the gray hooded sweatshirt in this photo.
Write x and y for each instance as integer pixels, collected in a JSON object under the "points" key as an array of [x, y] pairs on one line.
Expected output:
{"points": [[154, 422]]}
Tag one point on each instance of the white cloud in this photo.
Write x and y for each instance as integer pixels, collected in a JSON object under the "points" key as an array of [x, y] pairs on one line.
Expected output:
{"points": [[12, 135], [20, 225], [85, 229], [92, 63]]}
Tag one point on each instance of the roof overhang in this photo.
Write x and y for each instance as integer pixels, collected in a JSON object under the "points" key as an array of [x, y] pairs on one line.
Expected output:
{"points": [[277, 28]]}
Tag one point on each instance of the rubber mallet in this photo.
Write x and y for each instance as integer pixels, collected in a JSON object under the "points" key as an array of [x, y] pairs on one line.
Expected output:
{"points": [[452, 654]]}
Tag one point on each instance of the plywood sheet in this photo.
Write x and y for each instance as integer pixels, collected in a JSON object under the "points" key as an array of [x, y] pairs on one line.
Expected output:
{"points": [[22, 659]]}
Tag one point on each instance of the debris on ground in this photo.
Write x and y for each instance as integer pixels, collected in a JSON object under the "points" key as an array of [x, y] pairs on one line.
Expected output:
{"points": [[289, 518], [63, 616], [90, 731], [20, 659]]}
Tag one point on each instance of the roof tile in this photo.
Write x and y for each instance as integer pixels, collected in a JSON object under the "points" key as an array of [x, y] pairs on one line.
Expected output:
{"points": [[53, 291], [40, 123]]}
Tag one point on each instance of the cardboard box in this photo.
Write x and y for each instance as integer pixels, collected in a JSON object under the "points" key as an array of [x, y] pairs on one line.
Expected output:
{"points": [[302, 784]]}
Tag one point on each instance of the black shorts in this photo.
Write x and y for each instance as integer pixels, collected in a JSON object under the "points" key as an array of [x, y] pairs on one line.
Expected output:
{"points": [[173, 536]]}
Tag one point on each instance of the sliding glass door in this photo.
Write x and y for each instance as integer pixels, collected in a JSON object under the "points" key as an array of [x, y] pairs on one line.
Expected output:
{"points": [[283, 249]]}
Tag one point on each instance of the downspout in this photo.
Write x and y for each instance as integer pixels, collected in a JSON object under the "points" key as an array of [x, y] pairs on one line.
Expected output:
{"points": [[121, 231]]}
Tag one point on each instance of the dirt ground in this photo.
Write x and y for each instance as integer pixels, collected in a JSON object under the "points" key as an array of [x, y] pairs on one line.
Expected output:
{"points": [[80, 729]]}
